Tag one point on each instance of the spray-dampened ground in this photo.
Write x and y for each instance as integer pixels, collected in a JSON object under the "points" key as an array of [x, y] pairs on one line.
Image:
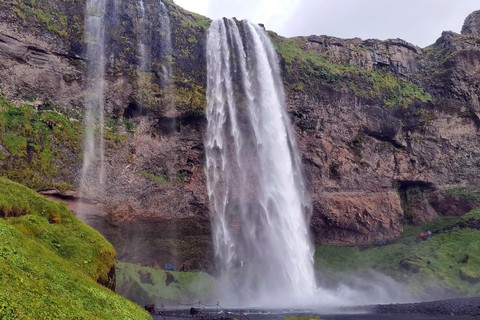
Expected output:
{"points": [[441, 265]]}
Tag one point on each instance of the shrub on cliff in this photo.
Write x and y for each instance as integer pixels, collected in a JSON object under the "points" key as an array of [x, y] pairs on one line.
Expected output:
{"points": [[51, 264]]}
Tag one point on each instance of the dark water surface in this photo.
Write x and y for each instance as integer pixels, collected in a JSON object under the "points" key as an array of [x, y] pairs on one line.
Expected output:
{"points": [[279, 315], [452, 309]]}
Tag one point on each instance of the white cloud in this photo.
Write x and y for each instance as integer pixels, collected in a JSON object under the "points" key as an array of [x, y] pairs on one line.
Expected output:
{"points": [[197, 6], [420, 22]]}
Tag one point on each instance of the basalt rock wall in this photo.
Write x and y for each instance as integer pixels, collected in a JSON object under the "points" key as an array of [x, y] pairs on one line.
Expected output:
{"points": [[373, 165], [388, 131]]}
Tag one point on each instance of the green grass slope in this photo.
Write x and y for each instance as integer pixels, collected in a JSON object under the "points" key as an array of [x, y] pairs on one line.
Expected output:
{"points": [[446, 263], [146, 285], [51, 264]]}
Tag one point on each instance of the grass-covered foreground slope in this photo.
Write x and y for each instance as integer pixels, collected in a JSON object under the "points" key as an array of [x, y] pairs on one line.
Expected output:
{"points": [[146, 285], [51, 264], [446, 263]]}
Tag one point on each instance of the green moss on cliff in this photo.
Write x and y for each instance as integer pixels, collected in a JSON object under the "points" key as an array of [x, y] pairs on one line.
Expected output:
{"points": [[189, 32], [50, 262], [188, 18], [308, 71], [465, 193], [160, 179], [42, 11], [38, 148], [62, 18]]}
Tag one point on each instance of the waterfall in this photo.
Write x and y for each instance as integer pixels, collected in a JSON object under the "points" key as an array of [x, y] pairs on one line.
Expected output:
{"points": [[142, 37], [146, 39], [166, 44], [93, 154], [257, 196], [147, 35]]}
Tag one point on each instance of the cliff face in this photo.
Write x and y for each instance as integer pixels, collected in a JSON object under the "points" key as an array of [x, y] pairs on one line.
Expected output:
{"points": [[154, 206], [393, 149], [388, 131]]}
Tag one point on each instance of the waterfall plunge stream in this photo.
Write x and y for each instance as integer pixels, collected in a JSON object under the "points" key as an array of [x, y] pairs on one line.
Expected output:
{"points": [[255, 186], [94, 154], [144, 57]]}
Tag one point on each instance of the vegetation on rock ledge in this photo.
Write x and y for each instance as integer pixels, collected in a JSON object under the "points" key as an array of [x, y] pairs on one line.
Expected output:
{"points": [[308, 71], [37, 149]]}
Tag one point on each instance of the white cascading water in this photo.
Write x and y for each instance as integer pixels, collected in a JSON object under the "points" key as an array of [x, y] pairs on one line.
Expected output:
{"points": [[93, 153], [144, 56], [144, 39], [257, 195], [166, 43]]}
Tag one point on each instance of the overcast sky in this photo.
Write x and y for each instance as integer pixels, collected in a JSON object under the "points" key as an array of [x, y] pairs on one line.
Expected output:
{"points": [[420, 22]]}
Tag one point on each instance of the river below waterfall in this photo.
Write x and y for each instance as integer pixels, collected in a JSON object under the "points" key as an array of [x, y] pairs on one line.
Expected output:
{"points": [[279, 315], [453, 309]]}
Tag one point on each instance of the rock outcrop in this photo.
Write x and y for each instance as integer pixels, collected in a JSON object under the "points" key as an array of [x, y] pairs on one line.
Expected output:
{"points": [[471, 26], [359, 147], [399, 56]]}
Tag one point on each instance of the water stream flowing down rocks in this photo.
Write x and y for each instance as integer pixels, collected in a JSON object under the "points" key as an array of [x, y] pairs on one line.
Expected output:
{"points": [[256, 190], [93, 149]]}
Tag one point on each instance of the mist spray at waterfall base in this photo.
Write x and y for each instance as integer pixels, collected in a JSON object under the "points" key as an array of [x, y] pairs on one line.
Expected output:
{"points": [[258, 202], [93, 171]]}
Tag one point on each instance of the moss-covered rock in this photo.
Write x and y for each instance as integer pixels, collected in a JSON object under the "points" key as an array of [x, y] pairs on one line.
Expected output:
{"points": [[308, 70], [39, 149], [145, 285]]}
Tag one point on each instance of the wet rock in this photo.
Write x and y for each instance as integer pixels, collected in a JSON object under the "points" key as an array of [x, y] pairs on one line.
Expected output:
{"points": [[150, 308], [454, 205], [356, 217], [457, 307], [169, 279]]}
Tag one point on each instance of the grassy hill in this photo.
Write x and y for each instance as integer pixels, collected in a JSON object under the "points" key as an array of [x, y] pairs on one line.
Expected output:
{"points": [[447, 263], [51, 264]]}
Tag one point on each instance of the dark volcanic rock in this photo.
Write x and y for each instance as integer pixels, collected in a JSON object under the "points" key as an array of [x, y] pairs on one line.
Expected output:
{"points": [[457, 307], [454, 205], [471, 27]]}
